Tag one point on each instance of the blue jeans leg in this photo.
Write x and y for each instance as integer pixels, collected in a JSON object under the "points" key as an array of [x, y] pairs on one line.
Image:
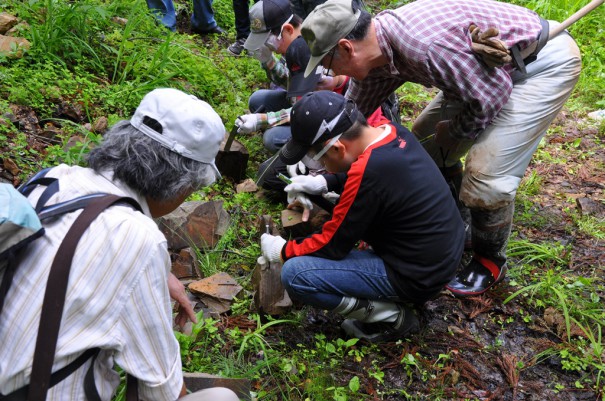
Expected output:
{"points": [[270, 99], [203, 16], [323, 282], [276, 137], [164, 11]]}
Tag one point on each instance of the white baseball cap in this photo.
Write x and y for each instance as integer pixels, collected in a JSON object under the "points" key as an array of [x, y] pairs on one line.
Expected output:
{"points": [[189, 126]]}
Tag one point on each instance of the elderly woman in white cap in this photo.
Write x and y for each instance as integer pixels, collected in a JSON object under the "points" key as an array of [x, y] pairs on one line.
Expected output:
{"points": [[117, 298]]}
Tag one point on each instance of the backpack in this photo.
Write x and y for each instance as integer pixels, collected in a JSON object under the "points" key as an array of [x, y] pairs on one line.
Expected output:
{"points": [[20, 225], [390, 108]]}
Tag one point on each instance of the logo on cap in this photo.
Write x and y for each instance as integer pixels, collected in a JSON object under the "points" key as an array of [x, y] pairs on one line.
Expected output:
{"points": [[256, 24]]}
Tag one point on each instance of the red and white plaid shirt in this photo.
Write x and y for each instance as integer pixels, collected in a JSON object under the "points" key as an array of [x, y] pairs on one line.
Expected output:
{"points": [[427, 42]]}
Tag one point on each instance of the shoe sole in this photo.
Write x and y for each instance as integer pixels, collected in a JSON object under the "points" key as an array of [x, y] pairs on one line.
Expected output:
{"points": [[352, 330]]}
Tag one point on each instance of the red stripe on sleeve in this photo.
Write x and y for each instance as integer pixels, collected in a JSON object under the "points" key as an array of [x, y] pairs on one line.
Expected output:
{"points": [[355, 174]]}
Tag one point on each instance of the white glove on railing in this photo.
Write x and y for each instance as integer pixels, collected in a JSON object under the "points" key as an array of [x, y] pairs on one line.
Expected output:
{"points": [[271, 246], [296, 169], [248, 123], [316, 185]]}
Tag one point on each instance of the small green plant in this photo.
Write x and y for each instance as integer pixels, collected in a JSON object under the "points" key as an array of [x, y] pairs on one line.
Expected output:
{"points": [[72, 152], [582, 314], [590, 225], [194, 347], [65, 31], [255, 338], [550, 254], [530, 185]]}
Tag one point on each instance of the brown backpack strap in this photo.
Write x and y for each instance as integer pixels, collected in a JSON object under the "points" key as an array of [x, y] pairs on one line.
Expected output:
{"points": [[54, 297], [132, 388]]}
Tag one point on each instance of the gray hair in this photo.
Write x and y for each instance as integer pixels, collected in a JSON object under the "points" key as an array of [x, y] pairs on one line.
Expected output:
{"points": [[360, 30], [146, 166]]}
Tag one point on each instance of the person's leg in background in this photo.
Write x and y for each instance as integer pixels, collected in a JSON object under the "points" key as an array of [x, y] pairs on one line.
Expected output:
{"points": [[202, 19], [241, 9], [276, 137], [269, 99], [164, 11], [449, 163]]}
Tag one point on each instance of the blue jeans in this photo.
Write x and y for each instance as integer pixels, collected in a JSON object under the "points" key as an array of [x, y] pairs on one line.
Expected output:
{"points": [[323, 282], [201, 20], [276, 137], [272, 100]]}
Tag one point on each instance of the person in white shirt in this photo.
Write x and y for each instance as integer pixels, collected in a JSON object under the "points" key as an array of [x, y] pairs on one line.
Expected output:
{"points": [[120, 285]]}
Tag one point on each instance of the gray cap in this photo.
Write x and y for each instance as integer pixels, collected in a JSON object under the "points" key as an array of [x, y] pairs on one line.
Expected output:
{"points": [[265, 16], [325, 26]]}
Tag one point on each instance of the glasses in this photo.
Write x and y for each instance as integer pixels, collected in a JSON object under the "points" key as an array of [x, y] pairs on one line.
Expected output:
{"points": [[275, 36], [282, 26], [323, 150], [328, 70]]}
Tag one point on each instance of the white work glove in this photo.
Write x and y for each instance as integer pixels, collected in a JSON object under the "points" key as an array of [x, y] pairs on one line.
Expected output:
{"points": [[271, 246], [262, 54], [248, 123], [296, 169], [299, 198], [331, 196], [313, 185]]}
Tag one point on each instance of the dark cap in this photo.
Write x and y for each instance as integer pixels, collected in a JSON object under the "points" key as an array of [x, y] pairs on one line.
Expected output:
{"points": [[297, 57], [265, 16], [315, 118]]}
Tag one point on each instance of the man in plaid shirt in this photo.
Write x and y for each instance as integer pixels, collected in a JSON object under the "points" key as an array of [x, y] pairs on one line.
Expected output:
{"points": [[494, 116]]}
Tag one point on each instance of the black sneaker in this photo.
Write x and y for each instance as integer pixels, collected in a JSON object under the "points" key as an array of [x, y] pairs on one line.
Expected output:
{"points": [[406, 324], [237, 47]]}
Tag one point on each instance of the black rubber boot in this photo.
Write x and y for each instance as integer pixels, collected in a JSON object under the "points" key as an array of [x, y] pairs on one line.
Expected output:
{"points": [[453, 178], [491, 229]]}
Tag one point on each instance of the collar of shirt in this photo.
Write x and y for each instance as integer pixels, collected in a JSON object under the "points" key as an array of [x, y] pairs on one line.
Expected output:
{"points": [[77, 181], [126, 190], [384, 45], [384, 134]]}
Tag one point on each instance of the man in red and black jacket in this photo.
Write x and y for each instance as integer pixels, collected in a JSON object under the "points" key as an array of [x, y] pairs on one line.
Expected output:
{"points": [[392, 197]]}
